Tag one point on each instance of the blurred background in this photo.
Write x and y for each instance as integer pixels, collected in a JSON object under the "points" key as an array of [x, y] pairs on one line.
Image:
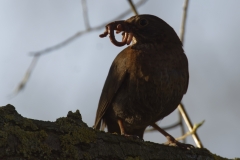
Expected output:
{"points": [[72, 77]]}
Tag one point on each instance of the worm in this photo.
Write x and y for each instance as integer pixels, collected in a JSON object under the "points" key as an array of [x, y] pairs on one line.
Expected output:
{"points": [[119, 26]]}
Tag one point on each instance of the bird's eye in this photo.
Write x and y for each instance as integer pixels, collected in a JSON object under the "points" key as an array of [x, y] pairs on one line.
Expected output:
{"points": [[143, 22]]}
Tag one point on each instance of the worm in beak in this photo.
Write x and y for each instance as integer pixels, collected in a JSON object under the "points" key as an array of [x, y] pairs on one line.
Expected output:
{"points": [[119, 26]]}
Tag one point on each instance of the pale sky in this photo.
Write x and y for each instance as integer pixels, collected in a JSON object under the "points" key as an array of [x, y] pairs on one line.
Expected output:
{"points": [[72, 77]]}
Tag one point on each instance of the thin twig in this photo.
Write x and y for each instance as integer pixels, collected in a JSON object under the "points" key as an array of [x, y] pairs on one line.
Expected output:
{"points": [[133, 7], [22, 84], [64, 43], [85, 15], [184, 17], [182, 125], [189, 125], [195, 127], [37, 54], [78, 34], [180, 106]]}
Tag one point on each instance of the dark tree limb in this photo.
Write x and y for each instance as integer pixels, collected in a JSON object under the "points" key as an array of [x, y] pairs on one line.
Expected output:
{"points": [[70, 138]]}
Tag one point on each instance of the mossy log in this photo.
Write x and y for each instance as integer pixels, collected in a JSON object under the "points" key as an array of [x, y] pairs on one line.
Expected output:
{"points": [[70, 138]]}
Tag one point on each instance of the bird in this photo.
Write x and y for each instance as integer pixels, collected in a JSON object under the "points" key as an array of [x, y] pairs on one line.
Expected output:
{"points": [[147, 79]]}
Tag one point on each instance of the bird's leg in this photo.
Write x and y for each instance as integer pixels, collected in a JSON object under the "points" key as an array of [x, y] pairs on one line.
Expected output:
{"points": [[171, 140], [122, 130]]}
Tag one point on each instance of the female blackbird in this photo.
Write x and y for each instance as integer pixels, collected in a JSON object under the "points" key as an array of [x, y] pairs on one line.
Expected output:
{"points": [[146, 81]]}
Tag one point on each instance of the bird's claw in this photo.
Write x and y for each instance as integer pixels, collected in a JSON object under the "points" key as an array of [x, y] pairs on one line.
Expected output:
{"points": [[179, 144], [132, 136]]}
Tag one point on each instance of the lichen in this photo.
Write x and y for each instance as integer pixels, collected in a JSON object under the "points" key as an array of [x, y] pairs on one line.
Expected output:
{"points": [[216, 157], [27, 143], [23, 122], [76, 135], [134, 158], [70, 138], [75, 132]]}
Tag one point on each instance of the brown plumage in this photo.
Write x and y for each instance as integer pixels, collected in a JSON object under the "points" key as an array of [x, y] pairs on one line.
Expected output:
{"points": [[146, 81]]}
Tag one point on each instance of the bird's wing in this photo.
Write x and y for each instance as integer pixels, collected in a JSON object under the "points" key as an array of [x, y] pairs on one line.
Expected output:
{"points": [[115, 77], [185, 73]]}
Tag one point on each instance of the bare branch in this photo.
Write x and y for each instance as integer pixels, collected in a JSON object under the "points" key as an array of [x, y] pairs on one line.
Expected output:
{"points": [[37, 54], [26, 77], [133, 7], [70, 138], [181, 108], [85, 14], [78, 34], [195, 127], [189, 125], [63, 43], [181, 124], [184, 17]]}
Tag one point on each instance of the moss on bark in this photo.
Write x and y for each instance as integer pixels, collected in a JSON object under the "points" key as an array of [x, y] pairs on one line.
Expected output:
{"points": [[70, 138]]}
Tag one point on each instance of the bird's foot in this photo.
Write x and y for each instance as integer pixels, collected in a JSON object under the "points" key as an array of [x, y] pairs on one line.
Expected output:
{"points": [[132, 137], [175, 143]]}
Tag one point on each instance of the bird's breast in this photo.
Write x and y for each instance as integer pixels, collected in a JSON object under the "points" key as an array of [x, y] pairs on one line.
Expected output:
{"points": [[152, 83]]}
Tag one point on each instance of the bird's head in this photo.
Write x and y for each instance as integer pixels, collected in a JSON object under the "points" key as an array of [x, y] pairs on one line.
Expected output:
{"points": [[142, 29]]}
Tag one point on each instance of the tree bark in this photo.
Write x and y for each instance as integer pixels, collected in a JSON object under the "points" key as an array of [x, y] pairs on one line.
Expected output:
{"points": [[70, 138]]}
